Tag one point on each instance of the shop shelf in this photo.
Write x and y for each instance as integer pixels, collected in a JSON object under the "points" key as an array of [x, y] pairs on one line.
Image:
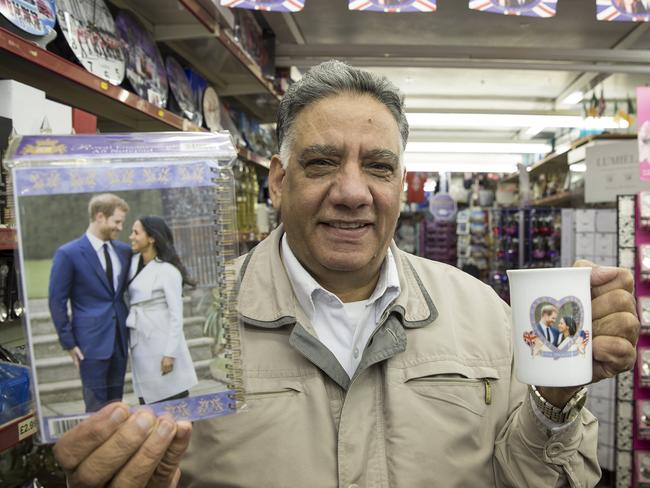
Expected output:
{"points": [[16, 430], [7, 239]]}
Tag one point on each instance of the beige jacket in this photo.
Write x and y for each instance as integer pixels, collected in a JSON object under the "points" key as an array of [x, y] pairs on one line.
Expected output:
{"points": [[433, 402]]}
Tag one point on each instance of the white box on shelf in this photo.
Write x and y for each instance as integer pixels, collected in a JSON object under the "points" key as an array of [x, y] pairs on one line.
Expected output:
{"points": [[585, 244], [605, 245], [59, 117], [606, 220], [24, 105], [586, 220], [567, 244]]}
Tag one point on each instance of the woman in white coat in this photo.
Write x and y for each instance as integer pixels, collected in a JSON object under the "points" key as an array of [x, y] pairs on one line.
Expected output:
{"points": [[160, 359]]}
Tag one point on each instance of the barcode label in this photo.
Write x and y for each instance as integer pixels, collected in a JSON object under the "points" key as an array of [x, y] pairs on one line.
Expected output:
{"points": [[58, 427]]}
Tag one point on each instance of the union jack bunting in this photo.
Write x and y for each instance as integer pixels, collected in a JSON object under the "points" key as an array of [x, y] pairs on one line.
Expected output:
{"points": [[394, 6], [528, 8], [266, 5], [623, 10]]}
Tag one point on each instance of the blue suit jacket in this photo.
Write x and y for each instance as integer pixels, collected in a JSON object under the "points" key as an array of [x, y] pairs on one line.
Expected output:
{"points": [[540, 330], [77, 276]]}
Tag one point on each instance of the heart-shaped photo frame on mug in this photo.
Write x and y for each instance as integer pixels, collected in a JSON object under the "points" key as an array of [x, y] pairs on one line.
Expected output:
{"points": [[556, 328]]}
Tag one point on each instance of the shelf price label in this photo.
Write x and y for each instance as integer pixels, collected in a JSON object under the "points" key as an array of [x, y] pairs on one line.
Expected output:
{"points": [[26, 428]]}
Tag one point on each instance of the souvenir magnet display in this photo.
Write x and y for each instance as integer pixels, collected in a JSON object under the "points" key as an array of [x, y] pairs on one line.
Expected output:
{"points": [[89, 30], [212, 109], [33, 19], [145, 69], [180, 88]]}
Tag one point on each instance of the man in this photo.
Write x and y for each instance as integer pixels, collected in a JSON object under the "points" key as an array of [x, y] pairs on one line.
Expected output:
{"points": [[364, 366], [90, 273], [545, 328]]}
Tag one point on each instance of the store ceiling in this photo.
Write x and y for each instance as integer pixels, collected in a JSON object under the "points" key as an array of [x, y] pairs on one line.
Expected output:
{"points": [[457, 60]]}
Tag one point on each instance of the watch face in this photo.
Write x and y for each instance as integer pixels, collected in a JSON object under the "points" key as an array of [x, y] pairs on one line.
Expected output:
{"points": [[145, 69], [36, 17], [180, 88], [212, 109], [91, 34]]}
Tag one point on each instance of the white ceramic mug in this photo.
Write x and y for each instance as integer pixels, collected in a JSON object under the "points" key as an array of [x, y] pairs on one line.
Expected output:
{"points": [[551, 324]]}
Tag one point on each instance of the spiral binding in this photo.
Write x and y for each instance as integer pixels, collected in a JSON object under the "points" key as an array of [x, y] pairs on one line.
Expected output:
{"points": [[227, 251]]}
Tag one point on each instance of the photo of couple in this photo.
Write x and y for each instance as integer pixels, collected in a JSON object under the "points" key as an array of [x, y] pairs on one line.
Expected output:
{"points": [[118, 287], [126, 301], [557, 330]]}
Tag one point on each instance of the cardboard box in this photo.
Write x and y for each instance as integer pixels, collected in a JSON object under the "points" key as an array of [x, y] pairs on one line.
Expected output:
{"points": [[606, 220], [605, 245], [585, 244], [24, 105], [586, 220]]}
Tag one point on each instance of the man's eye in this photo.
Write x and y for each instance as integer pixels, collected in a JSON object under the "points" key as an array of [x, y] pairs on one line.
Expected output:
{"points": [[319, 162], [381, 167]]}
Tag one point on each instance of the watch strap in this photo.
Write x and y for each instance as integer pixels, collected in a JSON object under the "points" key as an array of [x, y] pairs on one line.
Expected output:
{"points": [[556, 414]]}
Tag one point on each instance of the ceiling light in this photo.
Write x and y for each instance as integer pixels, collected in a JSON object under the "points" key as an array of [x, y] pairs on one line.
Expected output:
{"points": [[479, 147], [461, 163], [499, 121], [578, 167], [533, 131], [573, 98]]}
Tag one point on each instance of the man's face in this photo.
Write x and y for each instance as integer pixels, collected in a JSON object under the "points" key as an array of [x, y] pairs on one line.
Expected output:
{"points": [[340, 194], [550, 318], [110, 227]]}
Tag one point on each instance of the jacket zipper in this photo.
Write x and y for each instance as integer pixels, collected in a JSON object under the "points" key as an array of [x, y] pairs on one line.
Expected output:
{"points": [[486, 384]]}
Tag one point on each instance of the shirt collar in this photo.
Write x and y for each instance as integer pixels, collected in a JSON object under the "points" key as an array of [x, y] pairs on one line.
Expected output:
{"points": [[306, 287], [95, 241]]}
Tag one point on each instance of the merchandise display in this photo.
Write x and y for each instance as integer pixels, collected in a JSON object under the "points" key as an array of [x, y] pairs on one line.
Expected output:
{"points": [[181, 98], [145, 69], [187, 183], [33, 20], [90, 32], [212, 109]]}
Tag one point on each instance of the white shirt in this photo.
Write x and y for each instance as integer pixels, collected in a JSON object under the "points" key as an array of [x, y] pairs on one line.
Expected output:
{"points": [[344, 328], [98, 246]]}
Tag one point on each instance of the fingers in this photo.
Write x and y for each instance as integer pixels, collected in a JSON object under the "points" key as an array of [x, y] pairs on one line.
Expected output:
{"points": [[79, 354], [107, 459], [140, 467], [77, 444], [607, 278], [612, 302], [612, 355], [621, 324], [167, 473]]}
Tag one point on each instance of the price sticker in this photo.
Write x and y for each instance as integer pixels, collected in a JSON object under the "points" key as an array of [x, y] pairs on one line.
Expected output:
{"points": [[26, 428]]}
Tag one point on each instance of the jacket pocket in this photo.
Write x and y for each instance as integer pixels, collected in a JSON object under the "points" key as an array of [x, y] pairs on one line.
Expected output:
{"points": [[468, 387], [263, 389]]}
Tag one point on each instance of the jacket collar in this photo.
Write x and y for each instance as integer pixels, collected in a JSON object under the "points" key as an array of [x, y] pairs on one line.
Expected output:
{"points": [[263, 271]]}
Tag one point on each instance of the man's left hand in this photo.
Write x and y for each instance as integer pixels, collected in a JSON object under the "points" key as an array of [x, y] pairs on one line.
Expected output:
{"points": [[615, 327]]}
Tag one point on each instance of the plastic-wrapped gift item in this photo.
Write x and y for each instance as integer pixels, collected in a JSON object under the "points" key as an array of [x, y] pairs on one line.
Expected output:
{"points": [[644, 366], [643, 419], [15, 398], [642, 468], [644, 313], [644, 209], [644, 262]]}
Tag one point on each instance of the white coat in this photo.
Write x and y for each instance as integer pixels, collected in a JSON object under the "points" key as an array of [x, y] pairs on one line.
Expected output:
{"points": [[155, 325]]}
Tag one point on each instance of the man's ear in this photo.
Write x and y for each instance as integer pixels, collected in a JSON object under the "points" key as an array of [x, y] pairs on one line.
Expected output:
{"points": [[276, 177]]}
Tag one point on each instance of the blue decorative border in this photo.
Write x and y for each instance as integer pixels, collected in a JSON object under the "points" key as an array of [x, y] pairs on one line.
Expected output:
{"points": [[51, 180], [402, 6], [536, 8], [192, 408], [608, 11], [266, 5]]}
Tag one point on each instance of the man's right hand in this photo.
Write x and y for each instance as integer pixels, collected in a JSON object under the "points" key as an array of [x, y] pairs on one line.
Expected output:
{"points": [[76, 355], [118, 449]]}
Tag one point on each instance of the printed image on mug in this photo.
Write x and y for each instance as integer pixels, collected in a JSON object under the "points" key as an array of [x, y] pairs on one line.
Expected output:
{"points": [[551, 325], [556, 328]]}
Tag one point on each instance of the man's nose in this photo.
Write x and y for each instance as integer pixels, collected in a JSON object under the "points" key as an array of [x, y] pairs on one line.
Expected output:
{"points": [[351, 187]]}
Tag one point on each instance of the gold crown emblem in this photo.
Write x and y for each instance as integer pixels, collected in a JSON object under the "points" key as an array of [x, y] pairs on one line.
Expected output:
{"points": [[44, 146]]}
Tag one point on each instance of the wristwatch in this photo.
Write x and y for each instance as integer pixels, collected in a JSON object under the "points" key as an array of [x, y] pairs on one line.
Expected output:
{"points": [[556, 414]]}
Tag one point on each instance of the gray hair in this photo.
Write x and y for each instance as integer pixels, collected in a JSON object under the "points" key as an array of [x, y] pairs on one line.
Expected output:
{"points": [[333, 78]]}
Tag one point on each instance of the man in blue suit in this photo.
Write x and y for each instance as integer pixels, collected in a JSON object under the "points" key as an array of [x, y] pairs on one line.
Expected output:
{"points": [[90, 273], [546, 326]]}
